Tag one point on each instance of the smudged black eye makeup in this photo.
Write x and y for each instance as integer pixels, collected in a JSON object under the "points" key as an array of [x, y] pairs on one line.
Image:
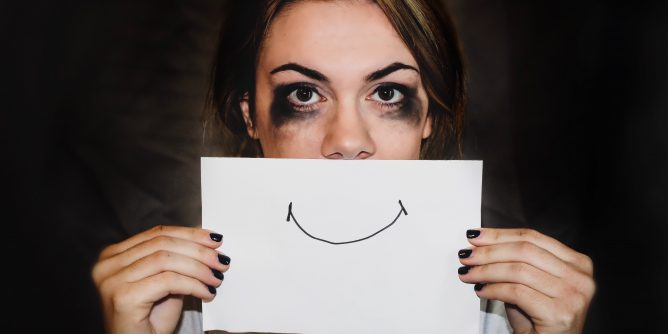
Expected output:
{"points": [[295, 101], [388, 96], [397, 101], [303, 100]]}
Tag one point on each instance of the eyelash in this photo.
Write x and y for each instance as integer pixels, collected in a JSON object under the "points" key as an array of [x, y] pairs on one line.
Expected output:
{"points": [[385, 106], [306, 108], [302, 108]]}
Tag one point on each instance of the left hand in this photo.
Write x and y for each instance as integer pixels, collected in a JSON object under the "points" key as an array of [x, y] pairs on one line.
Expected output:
{"points": [[547, 286]]}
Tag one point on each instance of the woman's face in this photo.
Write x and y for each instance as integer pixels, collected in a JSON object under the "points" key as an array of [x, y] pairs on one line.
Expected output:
{"points": [[335, 80]]}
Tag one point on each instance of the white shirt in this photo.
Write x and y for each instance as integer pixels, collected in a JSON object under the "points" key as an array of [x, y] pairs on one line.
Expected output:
{"points": [[493, 319]]}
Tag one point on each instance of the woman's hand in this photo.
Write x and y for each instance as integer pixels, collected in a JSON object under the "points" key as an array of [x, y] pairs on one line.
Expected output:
{"points": [[547, 287], [143, 279]]}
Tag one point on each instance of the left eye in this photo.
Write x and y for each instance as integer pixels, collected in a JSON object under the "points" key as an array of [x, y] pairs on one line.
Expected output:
{"points": [[304, 96], [387, 95]]}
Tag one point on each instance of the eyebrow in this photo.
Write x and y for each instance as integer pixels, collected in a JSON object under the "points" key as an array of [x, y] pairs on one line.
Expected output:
{"points": [[315, 75], [385, 71], [311, 73]]}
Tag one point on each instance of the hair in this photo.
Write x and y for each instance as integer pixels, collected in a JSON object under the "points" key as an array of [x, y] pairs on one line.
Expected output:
{"points": [[423, 25]]}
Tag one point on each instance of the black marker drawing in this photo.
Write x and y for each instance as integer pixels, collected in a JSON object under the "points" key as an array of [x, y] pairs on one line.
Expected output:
{"points": [[291, 215]]}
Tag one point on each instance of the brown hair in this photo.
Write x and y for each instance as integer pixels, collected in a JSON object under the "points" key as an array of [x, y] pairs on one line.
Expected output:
{"points": [[423, 25]]}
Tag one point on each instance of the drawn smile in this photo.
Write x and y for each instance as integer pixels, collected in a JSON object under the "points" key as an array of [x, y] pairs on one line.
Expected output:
{"points": [[292, 216]]}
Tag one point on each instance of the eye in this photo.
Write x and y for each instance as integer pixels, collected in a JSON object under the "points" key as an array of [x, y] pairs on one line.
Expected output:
{"points": [[387, 95], [304, 96]]}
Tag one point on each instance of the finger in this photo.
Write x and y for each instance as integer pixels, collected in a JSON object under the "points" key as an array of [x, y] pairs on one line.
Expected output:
{"points": [[164, 261], [535, 304], [206, 255], [203, 237], [514, 272], [522, 251], [490, 236], [145, 293]]}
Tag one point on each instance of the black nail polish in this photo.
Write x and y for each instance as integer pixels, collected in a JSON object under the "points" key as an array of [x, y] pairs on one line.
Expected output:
{"points": [[478, 286], [472, 233], [464, 253], [224, 259], [211, 289], [463, 270], [218, 274], [216, 237]]}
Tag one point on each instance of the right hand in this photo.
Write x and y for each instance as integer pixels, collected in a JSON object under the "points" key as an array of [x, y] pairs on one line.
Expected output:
{"points": [[142, 280]]}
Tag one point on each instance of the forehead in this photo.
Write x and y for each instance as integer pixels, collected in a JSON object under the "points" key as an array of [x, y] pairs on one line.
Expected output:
{"points": [[338, 38]]}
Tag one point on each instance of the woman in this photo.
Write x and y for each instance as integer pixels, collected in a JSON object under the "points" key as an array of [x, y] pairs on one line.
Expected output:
{"points": [[341, 80]]}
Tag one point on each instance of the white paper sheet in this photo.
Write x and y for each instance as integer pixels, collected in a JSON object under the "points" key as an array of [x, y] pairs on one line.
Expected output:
{"points": [[402, 279]]}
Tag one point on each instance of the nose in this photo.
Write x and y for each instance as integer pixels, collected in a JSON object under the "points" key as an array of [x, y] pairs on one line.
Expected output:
{"points": [[347, 137]]}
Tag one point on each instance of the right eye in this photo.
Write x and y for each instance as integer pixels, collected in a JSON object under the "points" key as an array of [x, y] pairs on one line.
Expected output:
{"points": [[304, 97]]}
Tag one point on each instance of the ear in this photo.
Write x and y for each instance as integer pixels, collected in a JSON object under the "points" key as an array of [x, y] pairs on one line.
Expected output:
{"points": [[426, 130], [245, 111]]}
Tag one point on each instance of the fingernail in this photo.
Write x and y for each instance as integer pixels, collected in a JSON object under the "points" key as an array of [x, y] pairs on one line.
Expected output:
{"points": [[211, 289], [472, 233], [224, 259], [463, 270], [216, 237], [218, 274], [478, 286], [464, 253]]}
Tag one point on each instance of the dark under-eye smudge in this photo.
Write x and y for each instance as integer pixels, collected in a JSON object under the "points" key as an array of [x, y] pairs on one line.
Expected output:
{"points": [[282, 111], [408, 109]]}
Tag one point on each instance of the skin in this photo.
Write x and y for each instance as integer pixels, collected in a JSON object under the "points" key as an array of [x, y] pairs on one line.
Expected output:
{"points": [[349, 122], [546, 286], [142, 280]]}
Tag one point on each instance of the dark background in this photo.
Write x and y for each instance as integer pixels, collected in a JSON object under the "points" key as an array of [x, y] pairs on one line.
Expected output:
{"points": [[101, 122]]}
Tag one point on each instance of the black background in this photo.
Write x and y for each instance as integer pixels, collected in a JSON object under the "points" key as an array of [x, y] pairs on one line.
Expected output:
{"points": [[101, 124]]}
